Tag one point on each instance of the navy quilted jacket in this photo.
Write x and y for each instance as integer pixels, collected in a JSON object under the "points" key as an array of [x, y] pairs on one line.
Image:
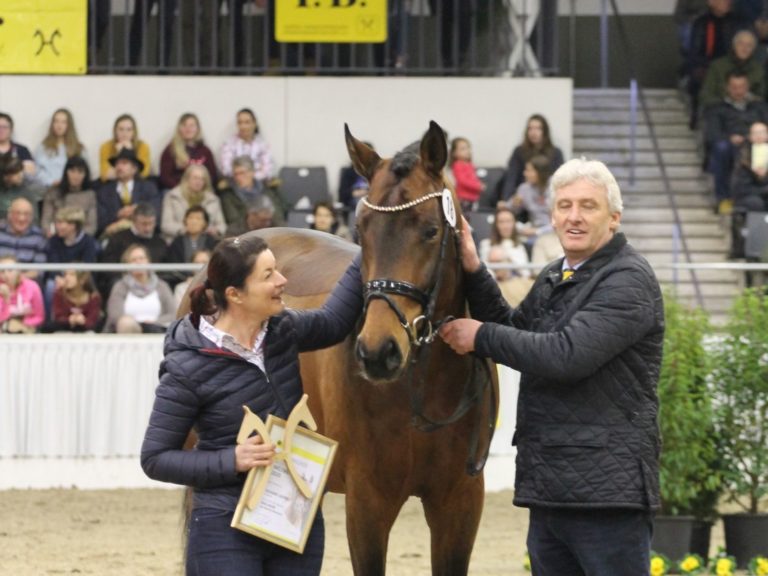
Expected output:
{"points": [[204, 386], [589, 350]]}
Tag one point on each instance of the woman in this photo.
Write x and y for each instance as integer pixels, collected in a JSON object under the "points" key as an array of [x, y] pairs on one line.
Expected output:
{"points": [[139, 301], [531, 201], [194, 190], [10, 149], [21, 301], [536, 140], [76, 304], [125, 134], [73, 191], [186, 148], [504, 247], [239, 346], [248, 142], [59, 145], [325, 220]]}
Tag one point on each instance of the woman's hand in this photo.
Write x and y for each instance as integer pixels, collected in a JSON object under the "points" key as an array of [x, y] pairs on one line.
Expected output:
{"points": [[253, 452]]}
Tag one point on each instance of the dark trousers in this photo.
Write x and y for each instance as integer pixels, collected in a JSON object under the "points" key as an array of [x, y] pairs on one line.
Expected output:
{"points": [[721, 157], [589, 542], [216, 549]]}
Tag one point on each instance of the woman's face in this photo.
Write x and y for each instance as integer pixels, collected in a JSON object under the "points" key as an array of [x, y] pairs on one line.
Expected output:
{"points": [[5, 130], [535, 132], [59, 124], [505, 224], [196, 180], [323, 219], [194, 223], [246, 126], [188, 130], [75, 176], [10, 277], [262, 295], [70, 279], [65, 229], [124, 131], [138, 256]]}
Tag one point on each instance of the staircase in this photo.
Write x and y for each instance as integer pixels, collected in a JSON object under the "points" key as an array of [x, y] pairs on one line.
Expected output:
{"points": [[601, 130]]}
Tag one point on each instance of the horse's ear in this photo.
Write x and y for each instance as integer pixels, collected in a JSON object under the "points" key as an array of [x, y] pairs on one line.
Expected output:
{"points": [[364, 158], [434, 150]]}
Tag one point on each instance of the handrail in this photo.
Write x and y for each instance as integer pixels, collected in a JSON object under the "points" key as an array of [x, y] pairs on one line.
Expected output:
{"points": [[656, 149]]}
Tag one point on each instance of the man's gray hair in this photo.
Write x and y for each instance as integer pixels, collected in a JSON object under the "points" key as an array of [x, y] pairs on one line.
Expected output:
{"points": [[593, 171], [243, 162]]}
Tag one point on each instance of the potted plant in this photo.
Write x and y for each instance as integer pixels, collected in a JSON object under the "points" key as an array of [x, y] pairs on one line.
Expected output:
{"points": [[740, 391], [689, 476]]}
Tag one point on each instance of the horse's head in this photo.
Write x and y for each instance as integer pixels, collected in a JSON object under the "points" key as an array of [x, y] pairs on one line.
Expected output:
{"points": [[407, 228]]}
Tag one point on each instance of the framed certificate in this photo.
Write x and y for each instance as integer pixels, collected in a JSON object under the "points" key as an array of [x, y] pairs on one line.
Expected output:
{"points": [[282, 514]]}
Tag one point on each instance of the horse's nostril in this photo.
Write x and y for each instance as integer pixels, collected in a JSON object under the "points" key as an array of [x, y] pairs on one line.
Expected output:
{"points": [[392, 355], [360, 351]]}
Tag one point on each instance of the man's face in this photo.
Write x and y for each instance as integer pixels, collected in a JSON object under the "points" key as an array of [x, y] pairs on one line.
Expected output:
{"points": [[15, 179], [125, 170], [258, 219], [20, 216], [243, 177], [145, 226], [582, 219], [737, 89], [194, 223]]}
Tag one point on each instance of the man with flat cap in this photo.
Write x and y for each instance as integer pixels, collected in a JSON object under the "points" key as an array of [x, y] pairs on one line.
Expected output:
{"points": [[118, 198]]}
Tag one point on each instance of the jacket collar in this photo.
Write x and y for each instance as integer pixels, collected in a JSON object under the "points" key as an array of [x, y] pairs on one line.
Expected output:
{"points": [[592, 264]]}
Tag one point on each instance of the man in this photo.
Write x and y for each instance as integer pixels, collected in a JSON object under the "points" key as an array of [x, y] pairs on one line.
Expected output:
{"points": [[18, 236], [247, 192], [742, 58], [117, 199], [142, 230], [727, 125], [588, 341], [14, 185]]}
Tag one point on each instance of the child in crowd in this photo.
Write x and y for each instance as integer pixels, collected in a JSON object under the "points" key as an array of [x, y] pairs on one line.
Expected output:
{"points": [[531, 201], [325, 221], [21, 302], [468, 185], [76, 304]]}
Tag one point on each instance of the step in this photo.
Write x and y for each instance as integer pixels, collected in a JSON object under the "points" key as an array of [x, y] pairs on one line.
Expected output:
{"points": [[642, 144], [623, 117], [660, 260], [584, 128], [660, 200], [700, 185], [661, 215], [624, 104], [730, 277], [597, 92], [666, 244], [642, 158], [693, 230], [653, 172]]}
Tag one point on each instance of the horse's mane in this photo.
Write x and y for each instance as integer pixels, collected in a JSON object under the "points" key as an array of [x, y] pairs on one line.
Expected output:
{"points": [[404, 161]]}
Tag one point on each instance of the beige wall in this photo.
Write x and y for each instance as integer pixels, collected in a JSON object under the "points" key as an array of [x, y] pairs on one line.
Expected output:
{"points": [[302, 118]]}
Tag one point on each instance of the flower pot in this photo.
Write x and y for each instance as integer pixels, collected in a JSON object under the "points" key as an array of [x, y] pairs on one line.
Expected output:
{"points": [[746, 536], [672, 536], [700, 536]]}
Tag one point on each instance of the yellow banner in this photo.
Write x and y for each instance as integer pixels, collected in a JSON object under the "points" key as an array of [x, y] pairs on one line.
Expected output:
{"points": [[331, 20], [43, 36]]}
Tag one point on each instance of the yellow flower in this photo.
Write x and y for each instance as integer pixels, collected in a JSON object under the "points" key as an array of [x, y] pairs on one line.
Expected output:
{"points": [[657, 566], [527, 562], [762, 567], [690, 563], [723, 567]]}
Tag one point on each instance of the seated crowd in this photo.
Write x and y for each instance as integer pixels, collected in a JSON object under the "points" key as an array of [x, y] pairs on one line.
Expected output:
{"points": [[53, 210]]}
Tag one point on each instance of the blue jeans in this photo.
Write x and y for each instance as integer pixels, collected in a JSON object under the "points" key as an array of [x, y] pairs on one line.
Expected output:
{"points": [[589, 542], [215, 548], [721, 157]]}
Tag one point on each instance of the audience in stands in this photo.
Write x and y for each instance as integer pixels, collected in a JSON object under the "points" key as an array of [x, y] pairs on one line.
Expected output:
{"points": [[199, 257], [118, 198], [352, 186], [21, 302], [125, 136], [468, 185], [76, 304], [195, 189], [258, 215], [59, 145], [186, 148], [531, 202], [16, 185], [740, 59], [536, 140], [324, 219], [245, 192], [727, 126], [750, 184], [248, 142], [194, 239], [139, 301], [504, 247], [142, 231], [20, 238], [73, 191], [10, 149]]}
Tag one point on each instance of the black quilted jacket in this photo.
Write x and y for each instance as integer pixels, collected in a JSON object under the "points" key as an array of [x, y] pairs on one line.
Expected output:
{"points": [[205, 386], [589, 350]]}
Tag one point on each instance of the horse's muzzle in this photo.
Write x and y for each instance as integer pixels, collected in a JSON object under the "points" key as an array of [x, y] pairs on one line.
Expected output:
{"points": [[384, 363]]}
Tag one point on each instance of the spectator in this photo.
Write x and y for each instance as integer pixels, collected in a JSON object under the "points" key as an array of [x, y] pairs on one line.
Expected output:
{"points": [[468, 185], [352, 186], [740, 59], [194, 190], [15, 185], [711, 36], [76, 304], [10, 149], [125, 136], [244, 193], [201, 257], [727, 125], [194, 237], [325, 220], [139, 301], [186, 148], [118, 198], [248, 142], [258, 215], [59, 145], [536, 140], [142, 231], [532, 200], [750, 185], [73, 191], [504, 247], [686, 11], [21, 303], [20, 238]]}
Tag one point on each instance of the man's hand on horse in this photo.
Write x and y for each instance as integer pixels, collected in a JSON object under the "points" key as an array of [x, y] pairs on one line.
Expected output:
{"points": [[460, 334], [470, 260], [253, 452]]}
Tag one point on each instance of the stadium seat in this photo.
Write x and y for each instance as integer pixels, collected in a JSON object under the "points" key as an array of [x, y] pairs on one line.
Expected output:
{"points": [[303, 186], [490, 176], [482, 223], [299, 219], [756, 240]]}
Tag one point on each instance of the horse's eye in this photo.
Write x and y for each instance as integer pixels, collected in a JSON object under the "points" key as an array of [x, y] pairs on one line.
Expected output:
{"points": [[430, 233]]}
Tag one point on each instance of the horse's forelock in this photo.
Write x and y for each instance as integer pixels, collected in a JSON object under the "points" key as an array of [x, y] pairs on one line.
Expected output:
{"points": [[405, 160]]}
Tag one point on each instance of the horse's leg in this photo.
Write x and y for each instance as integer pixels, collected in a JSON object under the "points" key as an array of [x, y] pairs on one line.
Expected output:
{"points": [[453, 516], [370, 516]]}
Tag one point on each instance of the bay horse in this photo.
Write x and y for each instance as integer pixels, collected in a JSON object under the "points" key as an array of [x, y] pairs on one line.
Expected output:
{"points": [[412, 418]]}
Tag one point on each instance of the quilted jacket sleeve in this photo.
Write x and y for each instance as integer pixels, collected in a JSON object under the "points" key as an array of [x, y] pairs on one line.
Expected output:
{"points": [[162, 457], [619, 312], [486, 303]]}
